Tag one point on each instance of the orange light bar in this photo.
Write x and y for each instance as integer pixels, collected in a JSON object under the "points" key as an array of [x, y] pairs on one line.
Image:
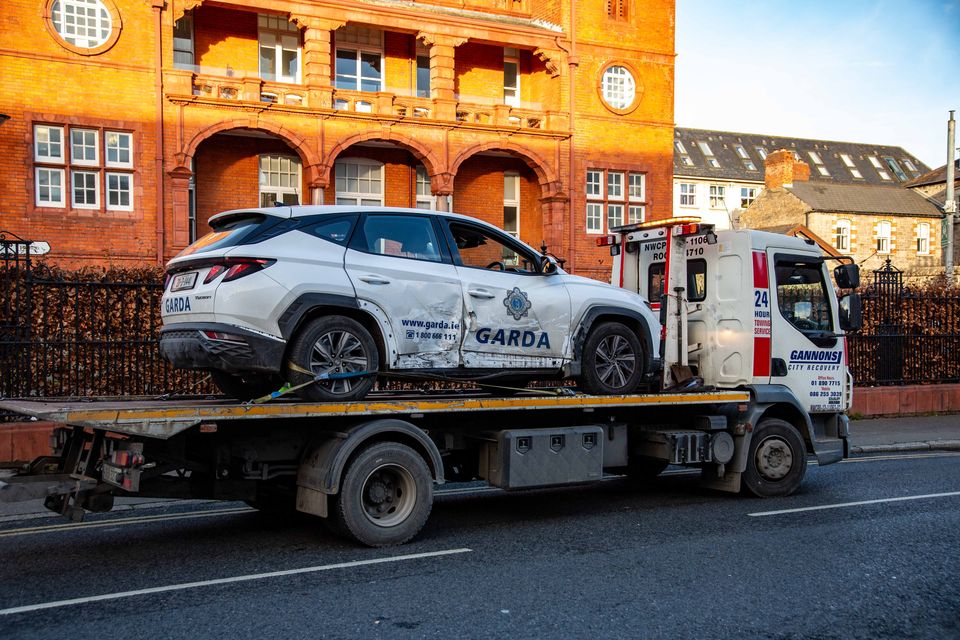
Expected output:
{"points": [[656, 224]]}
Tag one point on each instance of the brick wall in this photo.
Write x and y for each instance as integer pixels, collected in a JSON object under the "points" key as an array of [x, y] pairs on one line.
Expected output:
{"points": [[119, 84]]}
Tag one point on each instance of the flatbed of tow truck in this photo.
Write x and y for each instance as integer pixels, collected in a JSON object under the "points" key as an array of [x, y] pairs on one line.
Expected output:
{"points": [[165, 418]]}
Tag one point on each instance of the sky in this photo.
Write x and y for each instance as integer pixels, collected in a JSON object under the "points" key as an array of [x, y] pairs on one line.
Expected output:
{"points": [[879, 72]]}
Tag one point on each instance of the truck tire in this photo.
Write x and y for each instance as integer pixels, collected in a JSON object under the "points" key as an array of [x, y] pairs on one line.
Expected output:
{"points": [[245, 386], [334, 344], [777, 459], [613, 360], [385, 496]]}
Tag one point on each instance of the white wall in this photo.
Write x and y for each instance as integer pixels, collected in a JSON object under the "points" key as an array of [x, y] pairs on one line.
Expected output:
{"points": [[721, 217]]}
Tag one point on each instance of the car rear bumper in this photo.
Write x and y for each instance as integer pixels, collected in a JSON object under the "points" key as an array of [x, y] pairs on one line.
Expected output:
{"points": [[187, 346]]}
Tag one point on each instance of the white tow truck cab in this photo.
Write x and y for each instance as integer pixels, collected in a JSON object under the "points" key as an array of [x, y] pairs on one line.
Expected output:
{"points": [[754, 380], [745, 309]]}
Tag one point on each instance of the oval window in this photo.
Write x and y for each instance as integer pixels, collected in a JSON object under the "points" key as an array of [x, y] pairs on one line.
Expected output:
{"points": [[618, 87], [86, 27]]}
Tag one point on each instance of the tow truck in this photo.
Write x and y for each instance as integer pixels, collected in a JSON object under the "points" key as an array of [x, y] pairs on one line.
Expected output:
{"points": [[753, 381]]}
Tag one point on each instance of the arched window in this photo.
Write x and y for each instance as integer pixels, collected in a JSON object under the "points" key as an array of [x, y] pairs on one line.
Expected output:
{"points": [[279, 180]]}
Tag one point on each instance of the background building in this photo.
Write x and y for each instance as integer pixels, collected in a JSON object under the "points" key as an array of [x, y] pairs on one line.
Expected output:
{"points": [[132, 122], [718, 173], [872, 223]]}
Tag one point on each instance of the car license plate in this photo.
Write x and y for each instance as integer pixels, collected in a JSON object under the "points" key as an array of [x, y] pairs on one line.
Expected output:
{"points": [[183, 281]]}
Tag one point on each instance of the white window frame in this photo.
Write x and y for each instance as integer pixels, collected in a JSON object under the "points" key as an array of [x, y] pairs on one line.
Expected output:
{"points": [[62, 186], [511, 92], [614, 215], [884, 237], [37, 157], [84, 162], [95, 204], [705, 148], [637, 187], [96, 26], [359, 198], [614, 185], [108, 191], [747, 196], [277, 33], [718, 196], [841, 236], [741, 151], [912, 168], [688, 194], [815, 157], [679, 144], [594, 183], [360, 40], [849, 164], [618, 87], [514, 177], [107, 148], [762, 151], [287, 165], [595, 217], [424, 193], [636, 213], [923, 239]]}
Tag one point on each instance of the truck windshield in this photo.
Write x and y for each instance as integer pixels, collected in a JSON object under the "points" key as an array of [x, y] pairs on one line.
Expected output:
{"points": [[802, 295]]}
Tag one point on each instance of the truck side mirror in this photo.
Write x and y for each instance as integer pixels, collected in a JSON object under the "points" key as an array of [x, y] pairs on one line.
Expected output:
{"points": [[847, 276], [851, 318]]}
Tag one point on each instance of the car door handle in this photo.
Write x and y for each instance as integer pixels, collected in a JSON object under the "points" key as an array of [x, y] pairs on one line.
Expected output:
{"points": [[373, 279], [481, 293]]}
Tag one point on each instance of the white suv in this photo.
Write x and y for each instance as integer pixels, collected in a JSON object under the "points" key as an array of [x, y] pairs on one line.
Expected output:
{"points": [[339, 294]]}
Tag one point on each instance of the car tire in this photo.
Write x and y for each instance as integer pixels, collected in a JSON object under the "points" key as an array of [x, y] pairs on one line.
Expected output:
{"points": [[246, 386], [334, 344], [613, 360], [776, 460], [385, 496]]}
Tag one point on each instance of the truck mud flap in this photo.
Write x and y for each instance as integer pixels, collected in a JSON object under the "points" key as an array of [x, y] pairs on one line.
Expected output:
{"points": [[19, 489]]}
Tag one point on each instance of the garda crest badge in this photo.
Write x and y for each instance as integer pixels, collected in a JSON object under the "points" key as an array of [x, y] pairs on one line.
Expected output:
{"points": [[517, 303]]}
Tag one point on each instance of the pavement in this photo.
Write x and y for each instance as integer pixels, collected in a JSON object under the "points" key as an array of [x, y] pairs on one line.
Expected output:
{"points": [[914, 433]]}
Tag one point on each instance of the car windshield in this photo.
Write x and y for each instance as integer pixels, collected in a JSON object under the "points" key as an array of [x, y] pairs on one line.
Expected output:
{"points": [[231, 233]]}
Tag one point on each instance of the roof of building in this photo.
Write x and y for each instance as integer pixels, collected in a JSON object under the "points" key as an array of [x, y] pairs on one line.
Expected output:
{"points": [[738, 157], [937, 175], [863, 199]]}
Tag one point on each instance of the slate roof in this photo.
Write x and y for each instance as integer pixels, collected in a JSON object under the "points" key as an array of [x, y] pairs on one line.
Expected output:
{"points": [[937, 175], [885, 200], [724, 147]]}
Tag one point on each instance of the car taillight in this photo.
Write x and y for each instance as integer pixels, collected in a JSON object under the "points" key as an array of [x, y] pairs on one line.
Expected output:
{"points": [[215, 271], [245, 268], [234, 268]]}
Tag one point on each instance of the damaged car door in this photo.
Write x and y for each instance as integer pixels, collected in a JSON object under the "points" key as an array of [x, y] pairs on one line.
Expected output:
{"points": [[403, 274], [515, 316]]}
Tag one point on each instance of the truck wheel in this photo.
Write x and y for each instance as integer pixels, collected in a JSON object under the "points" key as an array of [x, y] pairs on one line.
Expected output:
{"points": [[246, 386], [385, 496], [776, 461], [613, 360], [335, 345]]}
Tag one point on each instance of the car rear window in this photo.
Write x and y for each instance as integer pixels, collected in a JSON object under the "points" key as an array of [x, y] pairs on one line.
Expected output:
{"points": [[229, 234]]}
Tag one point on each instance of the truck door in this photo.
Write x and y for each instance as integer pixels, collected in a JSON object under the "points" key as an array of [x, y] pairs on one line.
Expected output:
{"points": [[805, 353]]}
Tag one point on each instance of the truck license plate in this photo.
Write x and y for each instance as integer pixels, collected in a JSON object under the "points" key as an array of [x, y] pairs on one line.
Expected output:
{"points": [[183, 281]]}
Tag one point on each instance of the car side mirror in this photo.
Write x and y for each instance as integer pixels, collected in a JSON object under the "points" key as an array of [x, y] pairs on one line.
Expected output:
{"points": [[851, 318], [847, 276], [547, 266]]}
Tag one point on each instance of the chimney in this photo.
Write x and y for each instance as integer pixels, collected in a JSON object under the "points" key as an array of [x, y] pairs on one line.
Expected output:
{"points": [[782, 168]]}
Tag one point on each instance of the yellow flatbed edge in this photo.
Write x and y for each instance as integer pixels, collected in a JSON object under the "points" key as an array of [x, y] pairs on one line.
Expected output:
{"points": [[104, 414]]}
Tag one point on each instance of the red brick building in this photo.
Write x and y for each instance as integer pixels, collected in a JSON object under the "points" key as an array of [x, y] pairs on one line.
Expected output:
{"points": [[133, 121]]}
